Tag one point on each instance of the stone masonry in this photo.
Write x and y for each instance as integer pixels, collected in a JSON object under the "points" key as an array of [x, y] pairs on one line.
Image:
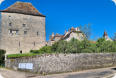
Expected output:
{"points": [[22, 28], [58, 63]]}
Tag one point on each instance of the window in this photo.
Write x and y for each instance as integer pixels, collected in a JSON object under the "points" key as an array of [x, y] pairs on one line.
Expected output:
{"points": [[16, 32], [10, 31], [24, 25], [19, 44], [34, 43], [25, 32], [37, 33], [10, 24], [21, 52], [13, 32]]}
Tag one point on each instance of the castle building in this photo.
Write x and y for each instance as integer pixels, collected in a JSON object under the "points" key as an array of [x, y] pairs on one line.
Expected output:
{"points": [[22, 28], [74, 33], [107, 38], [68, 35]]}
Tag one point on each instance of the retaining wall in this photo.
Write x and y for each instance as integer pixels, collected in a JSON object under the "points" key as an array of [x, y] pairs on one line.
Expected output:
{"points": [[57, 63]]}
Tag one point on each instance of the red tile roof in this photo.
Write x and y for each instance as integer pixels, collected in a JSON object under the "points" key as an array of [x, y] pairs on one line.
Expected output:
{"points": [[23, 8]]}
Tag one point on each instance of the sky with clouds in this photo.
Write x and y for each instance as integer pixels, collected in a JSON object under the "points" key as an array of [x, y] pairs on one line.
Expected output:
{"points": [[63, 14]]}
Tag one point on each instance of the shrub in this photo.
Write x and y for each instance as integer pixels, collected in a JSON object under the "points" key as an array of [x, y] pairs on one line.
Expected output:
{"points": [[45, 49], [87, 51], [59, 47], [34, 51], [20, 55], [2, 57]]}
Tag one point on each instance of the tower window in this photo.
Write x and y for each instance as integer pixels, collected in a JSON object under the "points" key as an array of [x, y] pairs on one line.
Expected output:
{"points": [[37, 33], [13, 32], [24, 25], [19, 44], [25, 32], [10, 24], [34, 43], [21, 52], [16, 32], [10, 31]]}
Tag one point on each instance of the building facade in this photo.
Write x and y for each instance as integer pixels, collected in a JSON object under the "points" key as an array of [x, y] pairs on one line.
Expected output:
{"points": [[22, 28], [68, 35]]}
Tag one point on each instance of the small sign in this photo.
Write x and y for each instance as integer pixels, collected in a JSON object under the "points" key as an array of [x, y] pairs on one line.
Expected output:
{"points": [[25, 66]]}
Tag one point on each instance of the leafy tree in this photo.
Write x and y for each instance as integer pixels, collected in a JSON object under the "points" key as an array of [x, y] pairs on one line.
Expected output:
{"points": [[114, 37], [105, 46], [74, 46], [86, 30], [60, 47]]}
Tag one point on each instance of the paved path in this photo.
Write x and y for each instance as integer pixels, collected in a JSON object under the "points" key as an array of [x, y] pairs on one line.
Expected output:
{"points": [[95, 73], [1, 76]]}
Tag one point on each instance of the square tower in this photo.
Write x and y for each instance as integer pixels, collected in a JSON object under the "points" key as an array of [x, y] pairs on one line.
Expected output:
{"points": [[22, 28]]}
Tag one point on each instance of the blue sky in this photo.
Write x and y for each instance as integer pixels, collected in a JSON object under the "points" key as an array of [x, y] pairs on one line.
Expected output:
{"points": [[63, 14]]}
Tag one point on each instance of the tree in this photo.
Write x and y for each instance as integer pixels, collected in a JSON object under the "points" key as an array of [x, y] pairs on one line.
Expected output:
{"points": [[60, 46], [105, 46], [114, 37], [86, 30], [74, 46]]}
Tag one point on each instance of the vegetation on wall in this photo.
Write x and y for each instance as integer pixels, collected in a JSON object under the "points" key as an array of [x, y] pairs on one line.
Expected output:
{"points": [[74, 46], [21, 55]]}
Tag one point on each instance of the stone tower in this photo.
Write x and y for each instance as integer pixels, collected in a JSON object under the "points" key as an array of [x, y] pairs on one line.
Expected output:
{"points": [[22, 28]]}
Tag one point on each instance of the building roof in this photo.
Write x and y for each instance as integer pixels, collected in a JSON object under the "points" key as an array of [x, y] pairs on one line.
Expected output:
{"points": [[58, 35], [105, 34], [23, 8]]}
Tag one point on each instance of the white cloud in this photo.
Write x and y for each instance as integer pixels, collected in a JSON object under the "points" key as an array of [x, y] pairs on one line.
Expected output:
{"points": [[1, 1], [114, 1]]}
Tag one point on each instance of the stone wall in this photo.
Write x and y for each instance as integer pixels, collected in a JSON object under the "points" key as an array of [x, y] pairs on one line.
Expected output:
{"points": [[20, 32], [57, 63]]}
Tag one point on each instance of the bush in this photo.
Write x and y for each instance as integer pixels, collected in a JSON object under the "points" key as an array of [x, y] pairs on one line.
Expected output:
{"points": [[20, 55], [34, 51], [45, 49], [74, 46], [59, 47], [2, 57], [106, 46], [87, 51]]}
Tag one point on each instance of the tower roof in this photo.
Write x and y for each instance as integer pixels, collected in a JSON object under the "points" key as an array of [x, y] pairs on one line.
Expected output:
{"points": [[23, 8], [105, 34]]}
